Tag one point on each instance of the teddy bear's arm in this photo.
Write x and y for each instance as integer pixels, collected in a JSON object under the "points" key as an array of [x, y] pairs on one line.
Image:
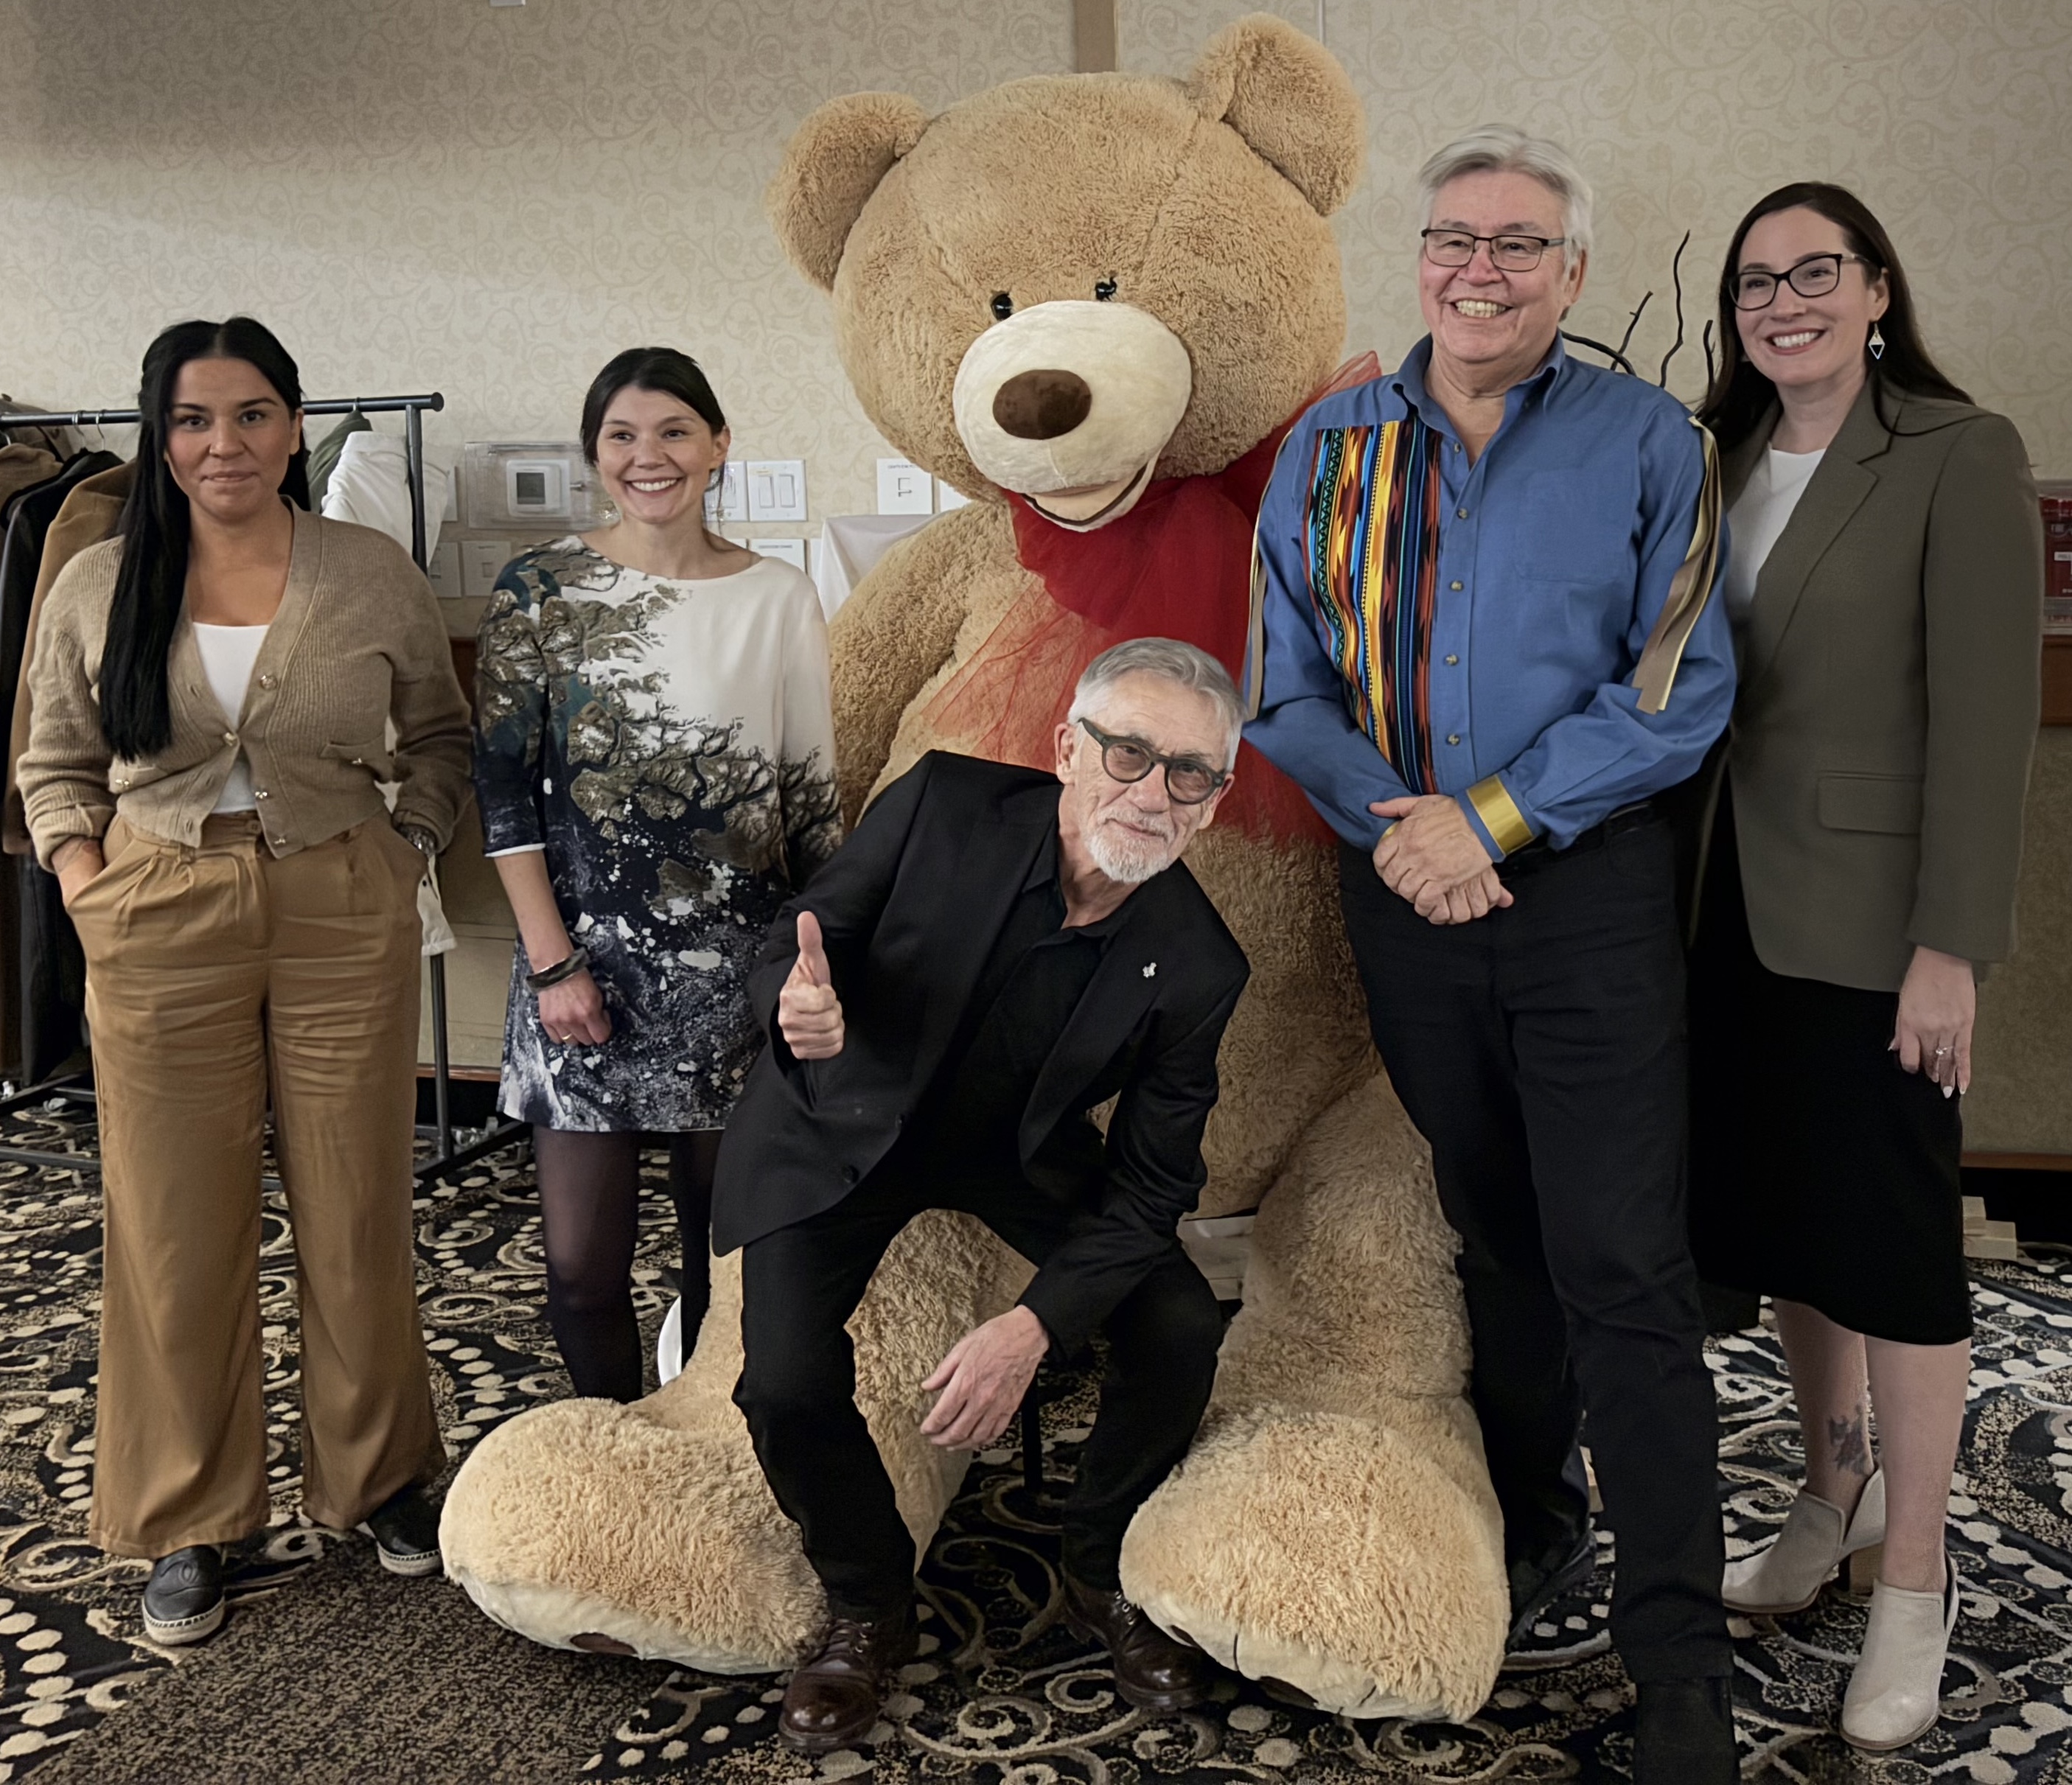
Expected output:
{"points": [[894, 634]]}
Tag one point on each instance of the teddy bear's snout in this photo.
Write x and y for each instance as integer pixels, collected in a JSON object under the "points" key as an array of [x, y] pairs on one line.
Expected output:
{"points": [[1070, 403], [1041, 405]]}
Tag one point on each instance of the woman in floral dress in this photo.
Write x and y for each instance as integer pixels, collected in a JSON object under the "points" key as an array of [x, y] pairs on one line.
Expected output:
{"points": [[655, 761]]}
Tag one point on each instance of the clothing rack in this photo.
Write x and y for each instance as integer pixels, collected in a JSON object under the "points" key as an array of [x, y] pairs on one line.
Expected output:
{"points": [[498, 1135]]}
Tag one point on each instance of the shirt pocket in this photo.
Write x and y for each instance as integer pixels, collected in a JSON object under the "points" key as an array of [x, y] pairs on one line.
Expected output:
{"points": [[1564, 535], [1890, 804], [370, 753]]}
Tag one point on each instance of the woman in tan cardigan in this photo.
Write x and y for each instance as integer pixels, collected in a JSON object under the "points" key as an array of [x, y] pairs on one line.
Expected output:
{"points": [[1885, 582], [212, 691]]}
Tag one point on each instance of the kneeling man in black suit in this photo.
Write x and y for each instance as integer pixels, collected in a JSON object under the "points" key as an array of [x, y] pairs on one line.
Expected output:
{"points": [[989, 956]]}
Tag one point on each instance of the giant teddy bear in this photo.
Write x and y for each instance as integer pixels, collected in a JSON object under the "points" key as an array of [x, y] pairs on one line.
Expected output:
{"points": [[1091, 303]]}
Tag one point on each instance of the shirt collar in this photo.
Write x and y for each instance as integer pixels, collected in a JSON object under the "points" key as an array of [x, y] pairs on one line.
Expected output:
{"points": [[1408, 382], [1043, 876]]}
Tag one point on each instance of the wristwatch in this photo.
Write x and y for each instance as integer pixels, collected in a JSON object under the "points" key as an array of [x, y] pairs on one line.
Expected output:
{"points": [[421, 840]]}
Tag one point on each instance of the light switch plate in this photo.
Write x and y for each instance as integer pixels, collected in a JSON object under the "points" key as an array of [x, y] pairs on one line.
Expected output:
{"points": [[730, 501], [948, 496], [482, 562], [790, 551], [444, 571], [904, 488], [776, 489]]}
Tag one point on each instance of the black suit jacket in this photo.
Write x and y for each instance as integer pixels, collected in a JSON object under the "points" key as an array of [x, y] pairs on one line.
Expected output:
{"points": [[909, 907]]}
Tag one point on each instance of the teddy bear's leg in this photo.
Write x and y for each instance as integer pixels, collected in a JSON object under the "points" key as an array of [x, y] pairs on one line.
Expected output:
{"points": [[648, 1529], [1333, 1526]]}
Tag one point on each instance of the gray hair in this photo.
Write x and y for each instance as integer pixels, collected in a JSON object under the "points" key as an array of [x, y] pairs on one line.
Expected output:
{"points": [[1170, 660], [1505, 149]]}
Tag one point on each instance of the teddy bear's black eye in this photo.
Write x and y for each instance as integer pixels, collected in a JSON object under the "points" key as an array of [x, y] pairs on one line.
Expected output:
{"points": [[1003, 305], [1104, 291]]}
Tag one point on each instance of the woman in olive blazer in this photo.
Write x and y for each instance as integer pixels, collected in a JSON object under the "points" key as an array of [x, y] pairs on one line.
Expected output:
{"points": [[1863, 829]]}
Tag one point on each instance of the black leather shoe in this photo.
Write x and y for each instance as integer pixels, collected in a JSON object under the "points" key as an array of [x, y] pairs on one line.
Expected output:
{"points": [[406, 1530], [1153, 1671], [833, 1700], [183, 1599], [1684, 1733], [1536, 1585]]}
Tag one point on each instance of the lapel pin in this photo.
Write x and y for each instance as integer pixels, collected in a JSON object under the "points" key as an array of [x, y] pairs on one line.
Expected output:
{"points": [[1150, 968]]}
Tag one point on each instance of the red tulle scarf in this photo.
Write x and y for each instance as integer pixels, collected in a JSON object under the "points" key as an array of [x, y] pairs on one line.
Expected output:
{"points": [[1179, 565]]}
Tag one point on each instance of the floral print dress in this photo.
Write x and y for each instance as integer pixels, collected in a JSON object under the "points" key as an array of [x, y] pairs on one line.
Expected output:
{"points": [[668, 743]]}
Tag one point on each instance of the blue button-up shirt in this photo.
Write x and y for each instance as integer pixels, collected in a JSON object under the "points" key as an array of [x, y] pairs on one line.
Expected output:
{"points": [[1555, 550]]}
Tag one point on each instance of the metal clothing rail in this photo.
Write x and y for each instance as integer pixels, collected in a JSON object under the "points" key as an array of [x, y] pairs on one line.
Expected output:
{"points": [[498, 1135]]}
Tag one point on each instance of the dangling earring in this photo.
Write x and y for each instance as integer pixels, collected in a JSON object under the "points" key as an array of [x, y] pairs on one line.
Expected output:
{"points": [[1876, 343]]}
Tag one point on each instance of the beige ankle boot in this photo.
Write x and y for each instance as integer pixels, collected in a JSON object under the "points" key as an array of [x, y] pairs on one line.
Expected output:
{"points": [[1896, 1693], [1788, 1575]]}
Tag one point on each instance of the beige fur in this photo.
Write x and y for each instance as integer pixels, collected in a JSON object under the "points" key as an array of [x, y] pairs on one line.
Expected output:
{"points": [[1334, 1527]]}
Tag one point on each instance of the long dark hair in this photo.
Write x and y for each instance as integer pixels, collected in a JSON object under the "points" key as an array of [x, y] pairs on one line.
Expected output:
{"points": [[1740, 395], [661, 369], [136, 712]]}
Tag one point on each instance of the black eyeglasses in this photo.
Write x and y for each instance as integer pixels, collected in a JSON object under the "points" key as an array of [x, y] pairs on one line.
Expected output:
{"points": [[1813, 277], [1507, 253], [1189, 779]]}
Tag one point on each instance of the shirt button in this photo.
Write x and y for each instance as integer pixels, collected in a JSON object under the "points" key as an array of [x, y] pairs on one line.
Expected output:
{"points": [[1455, 586], [268, 680], [358, 763], [848, 1174], [1459, 514], [1451, 658], [261, 793], [230, 737], [1453, 737]]}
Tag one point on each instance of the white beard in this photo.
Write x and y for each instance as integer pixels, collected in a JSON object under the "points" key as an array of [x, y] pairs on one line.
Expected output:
{"points": [[1123, 858]]}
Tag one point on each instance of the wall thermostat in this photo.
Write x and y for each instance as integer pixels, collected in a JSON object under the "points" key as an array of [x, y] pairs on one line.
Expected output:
{"points": [[536, 488], [542, 484]]}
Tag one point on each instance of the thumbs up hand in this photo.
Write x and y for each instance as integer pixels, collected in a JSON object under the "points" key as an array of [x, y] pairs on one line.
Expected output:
{"points": [[808, 1014]]}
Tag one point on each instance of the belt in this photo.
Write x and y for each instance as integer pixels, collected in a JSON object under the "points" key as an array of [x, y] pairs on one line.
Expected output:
{"points": [[1635, 817]]}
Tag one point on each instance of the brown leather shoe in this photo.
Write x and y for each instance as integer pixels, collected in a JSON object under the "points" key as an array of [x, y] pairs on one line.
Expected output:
{"points": [[833, 1700], [1153, 1671]]}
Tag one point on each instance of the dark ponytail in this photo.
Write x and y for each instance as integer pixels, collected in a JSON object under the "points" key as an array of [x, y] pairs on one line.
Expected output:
{"points": [[1740, 395], [136, 712]]}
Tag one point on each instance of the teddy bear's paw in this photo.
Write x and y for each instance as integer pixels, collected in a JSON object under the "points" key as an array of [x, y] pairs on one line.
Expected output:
{"points": [[1330, 1555], [586, 1524]]}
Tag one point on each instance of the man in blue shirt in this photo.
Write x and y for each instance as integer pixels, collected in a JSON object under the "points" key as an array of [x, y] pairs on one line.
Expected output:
{"points": [[1482, 641]]}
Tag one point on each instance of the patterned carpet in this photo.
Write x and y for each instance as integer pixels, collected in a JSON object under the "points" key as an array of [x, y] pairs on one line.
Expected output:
{"points": [[1001, 1693]]}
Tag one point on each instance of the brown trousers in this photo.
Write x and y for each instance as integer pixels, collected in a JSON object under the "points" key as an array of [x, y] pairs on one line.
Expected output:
{"points": [[215, 974]]}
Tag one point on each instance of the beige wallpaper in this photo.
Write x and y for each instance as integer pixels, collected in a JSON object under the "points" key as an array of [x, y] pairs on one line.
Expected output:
{"points": [[1953, 121], [490, 200]]}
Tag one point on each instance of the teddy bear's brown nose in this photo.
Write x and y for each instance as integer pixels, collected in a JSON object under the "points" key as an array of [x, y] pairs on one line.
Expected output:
{"points": [[1041, 405]]}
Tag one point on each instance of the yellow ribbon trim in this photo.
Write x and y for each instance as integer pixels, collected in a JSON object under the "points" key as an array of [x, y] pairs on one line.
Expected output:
{"points": [[1689, 589], [1498, 811]]}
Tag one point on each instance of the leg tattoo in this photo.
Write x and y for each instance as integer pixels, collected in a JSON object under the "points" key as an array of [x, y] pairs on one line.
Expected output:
{"points": [[1849, 1440]]}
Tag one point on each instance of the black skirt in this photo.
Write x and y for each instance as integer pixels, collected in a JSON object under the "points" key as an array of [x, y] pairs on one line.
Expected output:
{"points": [[1821, 1171]]}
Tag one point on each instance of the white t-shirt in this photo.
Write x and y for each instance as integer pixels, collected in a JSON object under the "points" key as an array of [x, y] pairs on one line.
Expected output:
{"points": [[227, 655], [1758, 518]]}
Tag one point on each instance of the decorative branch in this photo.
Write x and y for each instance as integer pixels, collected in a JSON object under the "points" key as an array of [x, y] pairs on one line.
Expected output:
{"points": [[1712, 369], [1633, 322], [1613, 353], [1676, 274]]}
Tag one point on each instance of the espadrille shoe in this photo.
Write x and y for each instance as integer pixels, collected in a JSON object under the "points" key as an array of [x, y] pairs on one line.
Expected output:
{"points": [[1896, 1693], [1788, 1575], [183, 1599]]}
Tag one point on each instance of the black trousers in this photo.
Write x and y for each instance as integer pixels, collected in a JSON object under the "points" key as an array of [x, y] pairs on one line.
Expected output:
{"points": [[797, 1381], [1540, 1051]]}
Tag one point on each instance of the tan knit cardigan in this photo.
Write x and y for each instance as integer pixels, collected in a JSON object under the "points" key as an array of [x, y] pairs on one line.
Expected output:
{"points": [[358, 641]]}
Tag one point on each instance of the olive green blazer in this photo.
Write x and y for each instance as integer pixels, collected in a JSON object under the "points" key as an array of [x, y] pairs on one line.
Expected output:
{"points": [[1880, 747]]}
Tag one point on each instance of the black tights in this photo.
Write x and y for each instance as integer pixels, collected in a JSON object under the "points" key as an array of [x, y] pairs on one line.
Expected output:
{"points": [[590, 1203]]}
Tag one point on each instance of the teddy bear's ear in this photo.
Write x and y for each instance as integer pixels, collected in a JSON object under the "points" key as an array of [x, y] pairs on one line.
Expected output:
{"points": [[1286, 95], [830, 169]]}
